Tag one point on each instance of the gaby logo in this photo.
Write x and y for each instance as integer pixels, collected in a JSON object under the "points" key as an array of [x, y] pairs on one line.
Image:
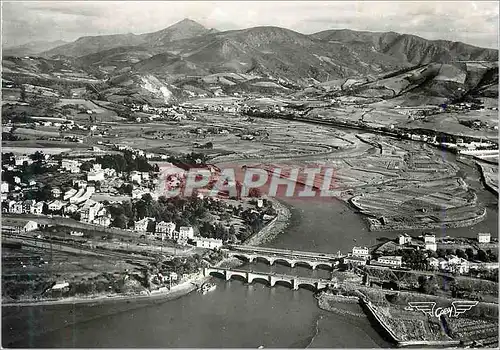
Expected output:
{"points": [[429, 308]]}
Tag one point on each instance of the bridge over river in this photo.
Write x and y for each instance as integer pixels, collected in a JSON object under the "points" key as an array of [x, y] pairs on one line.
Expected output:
{"points": [[290, 257], [294, 282]]}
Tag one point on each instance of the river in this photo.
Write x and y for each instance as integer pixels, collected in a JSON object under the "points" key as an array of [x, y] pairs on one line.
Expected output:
{"points": [[236, 314]]}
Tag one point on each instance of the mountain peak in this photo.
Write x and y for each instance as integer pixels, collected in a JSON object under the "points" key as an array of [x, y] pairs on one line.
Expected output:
{"points": [[185, 29], [187, 22]]}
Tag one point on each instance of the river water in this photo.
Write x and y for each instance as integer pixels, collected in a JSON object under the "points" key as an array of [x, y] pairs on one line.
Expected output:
{"points": [[236, 314]]}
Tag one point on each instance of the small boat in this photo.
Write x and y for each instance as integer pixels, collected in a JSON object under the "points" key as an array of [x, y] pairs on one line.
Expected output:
{"points": [[208, 287]]}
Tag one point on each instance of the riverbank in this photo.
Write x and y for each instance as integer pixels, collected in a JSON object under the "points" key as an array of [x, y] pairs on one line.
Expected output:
{"points": [[273, 228], [181, 289]]}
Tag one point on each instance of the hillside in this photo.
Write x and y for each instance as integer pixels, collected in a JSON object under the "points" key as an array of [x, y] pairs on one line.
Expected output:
{"points": [[184, 29], [408, 48], [31, 48]]}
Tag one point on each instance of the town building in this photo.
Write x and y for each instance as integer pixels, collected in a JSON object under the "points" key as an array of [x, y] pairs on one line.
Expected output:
{"points": [[56, 192], [141, 225], [30, 226], [28, 206], [70, 165], [209, 243], [165, 230], [431, 246], [37, 209], [429, 238], [89, 211], [393, 261], [5, 187], [135, 176], [354, 261], [72, 208], [185, 233], [404, 239], [95, 175], [20, 160], [16, 208], [360, 252], [457, 265], [56, 205], [103, 221], [484, 237]]}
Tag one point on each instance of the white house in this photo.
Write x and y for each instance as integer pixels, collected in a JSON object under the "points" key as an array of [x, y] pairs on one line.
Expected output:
{"points": [[72, 208], [16, 208], [141, 225], [165, 229], [484, 237], [404, 239], [95, 175], [457, 265], [103, 221], [37, 208], [30, 226], [360, 252], [430, 238], [431, 246], [56, 192], [20, 160], [395, 261], [185, 233], [209, 243], [5, 187], [70, 165], [135, 176], [56, 205]]}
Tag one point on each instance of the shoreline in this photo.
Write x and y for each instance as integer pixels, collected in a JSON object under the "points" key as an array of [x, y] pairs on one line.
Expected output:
{"points": [[267, 233]]}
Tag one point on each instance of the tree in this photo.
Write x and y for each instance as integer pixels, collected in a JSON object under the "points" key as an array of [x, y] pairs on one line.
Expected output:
{"points": [[461, 254], [427, 285], [482, 256], [120, 221], [151, 226], [470, 253]]}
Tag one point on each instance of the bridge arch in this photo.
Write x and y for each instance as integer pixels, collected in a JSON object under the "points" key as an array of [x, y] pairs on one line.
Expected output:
{"points": [[243, 257], [265, 259], [218, 274], [324, 264], [259, 279], [284, 261], [307, 285], [304, 263], [284, 283], [237, 277]]}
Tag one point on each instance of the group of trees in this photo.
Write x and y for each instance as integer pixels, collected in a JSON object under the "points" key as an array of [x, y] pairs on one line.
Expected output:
{"points": [[191, 211], [468, 254], [26, 171], [125, 162]]}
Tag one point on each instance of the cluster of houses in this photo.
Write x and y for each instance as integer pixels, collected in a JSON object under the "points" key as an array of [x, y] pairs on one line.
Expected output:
{"points": [[449, 263], [76, 199], [167, 230]]}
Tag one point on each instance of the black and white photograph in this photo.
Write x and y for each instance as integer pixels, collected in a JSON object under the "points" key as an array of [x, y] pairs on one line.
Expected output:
{"points": [[249, 174]]}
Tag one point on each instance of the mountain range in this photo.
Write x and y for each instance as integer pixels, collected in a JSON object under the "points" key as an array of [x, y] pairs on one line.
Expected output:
{"points": [[188, 56]]}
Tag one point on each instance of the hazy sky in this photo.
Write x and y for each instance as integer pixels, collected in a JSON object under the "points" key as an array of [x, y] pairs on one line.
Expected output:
{"points": [[474, 22]]}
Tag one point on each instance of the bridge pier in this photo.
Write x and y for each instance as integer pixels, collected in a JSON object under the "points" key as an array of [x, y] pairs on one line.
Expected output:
{"points": [[295, 284]]}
